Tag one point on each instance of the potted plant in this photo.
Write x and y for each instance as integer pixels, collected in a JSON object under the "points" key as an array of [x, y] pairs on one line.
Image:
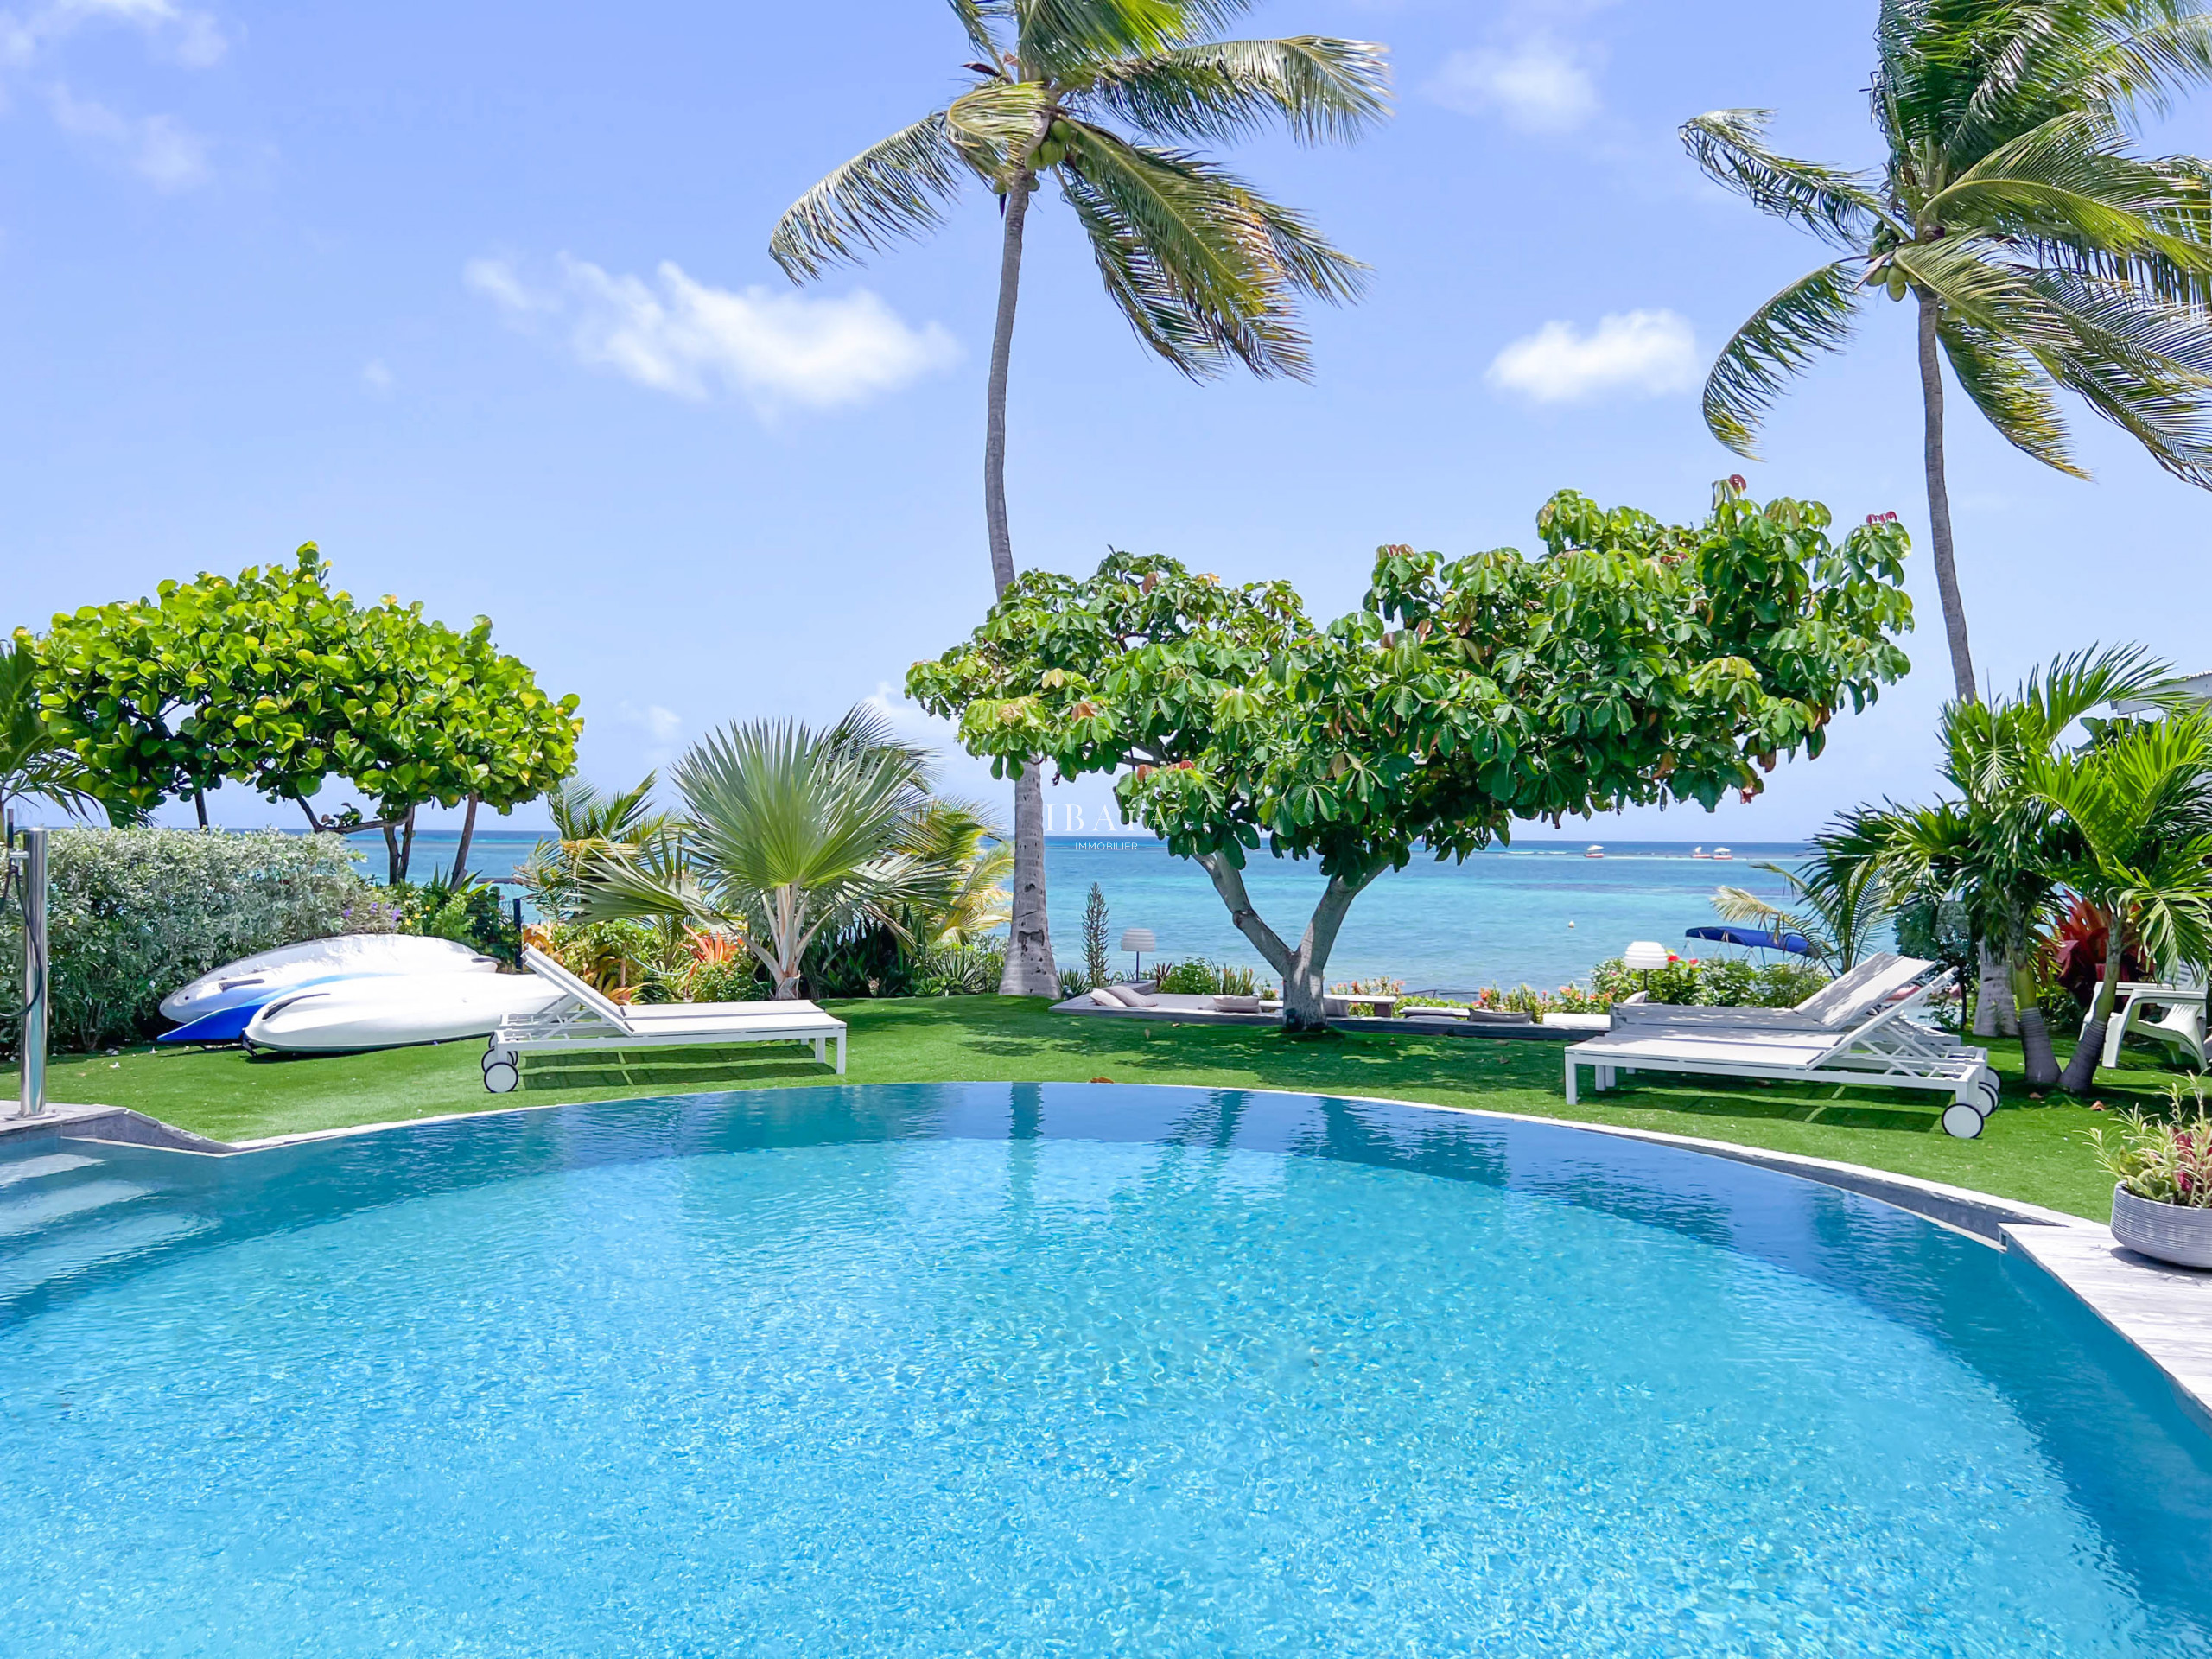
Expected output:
{"points": [[2162, 1203]]}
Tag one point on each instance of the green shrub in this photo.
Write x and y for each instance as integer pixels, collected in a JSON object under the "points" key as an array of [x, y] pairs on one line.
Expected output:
{"points": [[131, 914], [968, 970], [475, 914], [1198, 977], [1715, 981]]}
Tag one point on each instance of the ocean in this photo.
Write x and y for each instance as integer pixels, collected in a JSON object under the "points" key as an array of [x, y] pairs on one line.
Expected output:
{"points": [[1540, 912]]}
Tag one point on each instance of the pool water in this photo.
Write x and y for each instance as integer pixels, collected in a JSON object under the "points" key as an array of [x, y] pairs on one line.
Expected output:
{"points": [[1053, 1369]]}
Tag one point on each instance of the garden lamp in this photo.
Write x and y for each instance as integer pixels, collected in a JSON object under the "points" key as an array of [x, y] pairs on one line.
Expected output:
{"points": [[1643, 956], [1138, 940]]}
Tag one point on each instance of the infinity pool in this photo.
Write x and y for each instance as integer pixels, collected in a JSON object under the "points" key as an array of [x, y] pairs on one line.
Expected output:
{"points": [[1072, 1371]]}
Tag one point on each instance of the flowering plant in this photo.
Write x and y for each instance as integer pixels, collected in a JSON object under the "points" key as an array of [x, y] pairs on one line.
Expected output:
{"points": [[2165, 1160]]}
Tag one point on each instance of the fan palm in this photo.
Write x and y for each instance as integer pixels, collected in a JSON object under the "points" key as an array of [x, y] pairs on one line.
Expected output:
{"points": [[1997, 848], [2140, 801], [2039, 250], [1206, 269], [787, 834], [34, 764]]}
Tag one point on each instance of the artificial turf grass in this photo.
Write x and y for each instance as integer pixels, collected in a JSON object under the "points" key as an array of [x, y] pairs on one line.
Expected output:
{"points": [[2031, 1150]]}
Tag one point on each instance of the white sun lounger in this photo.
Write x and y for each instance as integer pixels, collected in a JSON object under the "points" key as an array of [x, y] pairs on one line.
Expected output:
{"points": [[2179, 1023], [1887, 1052], [1837, 1005], [584, 1020]]}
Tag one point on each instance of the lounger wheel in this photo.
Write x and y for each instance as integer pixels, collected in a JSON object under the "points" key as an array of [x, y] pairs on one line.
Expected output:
{"points": [[1961, 1121], [500, 1076]]}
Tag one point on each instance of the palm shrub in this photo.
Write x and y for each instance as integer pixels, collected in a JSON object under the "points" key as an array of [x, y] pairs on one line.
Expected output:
{"points": [[2139, 800], [35, 765], [1101, 95], [2039, 248], [1996, 846], [1838, 900], [788, 834]]}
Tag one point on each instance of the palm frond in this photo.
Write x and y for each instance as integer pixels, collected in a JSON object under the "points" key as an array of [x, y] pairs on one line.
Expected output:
{"points": [[975, 18], [1322, 89], [1064, 37], [1203, 268], [2010, 389], [997, 125], [2143, 68], [1812, 315], [896, 188], [1839, 207]]}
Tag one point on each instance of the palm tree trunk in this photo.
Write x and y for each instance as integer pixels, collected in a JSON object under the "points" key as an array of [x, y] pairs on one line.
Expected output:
{"points": [[1939, 504], [467, 835], [1994, 1013], [2082, 1070], [1030, 970]]}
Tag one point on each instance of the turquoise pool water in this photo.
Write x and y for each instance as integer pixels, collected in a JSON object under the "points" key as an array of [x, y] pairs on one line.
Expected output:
{"points": [[1061, 1370]]}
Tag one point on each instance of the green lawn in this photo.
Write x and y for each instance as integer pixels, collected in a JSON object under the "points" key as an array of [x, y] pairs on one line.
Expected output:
{"points": [[2031, 1150]]}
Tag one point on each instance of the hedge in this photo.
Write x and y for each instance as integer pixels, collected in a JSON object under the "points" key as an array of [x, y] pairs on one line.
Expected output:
{"points": [[134, 913]]}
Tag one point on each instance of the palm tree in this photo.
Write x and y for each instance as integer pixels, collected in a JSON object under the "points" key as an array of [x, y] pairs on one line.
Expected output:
{"points": [[2039, 250], [2140, 800], [1205, 268], [970, 861], [587, 826], [1997, 848], [788, 833], [34, 764], [1837, 899]]}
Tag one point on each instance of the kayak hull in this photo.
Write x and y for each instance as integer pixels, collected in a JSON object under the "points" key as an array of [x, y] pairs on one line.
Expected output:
{"points": [[256, 979], [361, 1015]]}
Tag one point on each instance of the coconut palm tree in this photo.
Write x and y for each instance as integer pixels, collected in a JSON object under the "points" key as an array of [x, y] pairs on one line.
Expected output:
{"points": [[1206, 269], [971, 859], [787, 833], [1997, 847], [34, 764], [2039, 250], [2139, 799]]}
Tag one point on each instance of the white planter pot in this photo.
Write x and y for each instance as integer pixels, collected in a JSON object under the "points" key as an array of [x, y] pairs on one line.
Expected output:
{"points": [[2165, 1232]]}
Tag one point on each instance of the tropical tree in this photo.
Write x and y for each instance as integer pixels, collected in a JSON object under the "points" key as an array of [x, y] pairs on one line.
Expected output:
{"points": [[788, 833], [589, 825], [1996, 846], [35, 764], [2139, 798], [1837, 899], [1634, 662], [1206, 271], [968, 861], [2039, 250], [277, 680]]}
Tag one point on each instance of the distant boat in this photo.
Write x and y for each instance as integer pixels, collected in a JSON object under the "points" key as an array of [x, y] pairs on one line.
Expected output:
{"points": [[1722, 852], [1594, 851], [1700, 852]]}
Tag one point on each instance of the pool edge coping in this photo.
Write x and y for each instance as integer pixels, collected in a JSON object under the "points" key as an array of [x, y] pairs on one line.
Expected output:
{"points": [[2165, 1313]]}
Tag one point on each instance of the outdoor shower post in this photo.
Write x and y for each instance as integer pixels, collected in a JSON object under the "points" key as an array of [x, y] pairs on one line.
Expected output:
{"points": [[30, 874]]}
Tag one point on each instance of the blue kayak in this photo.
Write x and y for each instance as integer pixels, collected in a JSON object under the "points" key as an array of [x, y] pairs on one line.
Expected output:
{"points": [[1757, 938]]}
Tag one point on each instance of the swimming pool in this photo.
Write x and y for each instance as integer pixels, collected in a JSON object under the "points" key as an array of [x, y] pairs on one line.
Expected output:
{"points": [[1024, 1369]]}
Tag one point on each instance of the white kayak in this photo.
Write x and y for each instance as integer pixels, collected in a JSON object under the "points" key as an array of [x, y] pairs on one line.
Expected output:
{"points": [[252, 979], [392, 1012]]}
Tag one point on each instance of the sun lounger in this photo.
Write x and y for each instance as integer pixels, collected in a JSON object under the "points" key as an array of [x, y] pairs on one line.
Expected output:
{"points": [[1886, 1051], [2172, 1015], [584, 1020], [1842, 1003]]}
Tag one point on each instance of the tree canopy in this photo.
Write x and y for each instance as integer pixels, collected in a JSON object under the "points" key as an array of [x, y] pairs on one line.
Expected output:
{"points": [[1632, 663], [277, 681]]}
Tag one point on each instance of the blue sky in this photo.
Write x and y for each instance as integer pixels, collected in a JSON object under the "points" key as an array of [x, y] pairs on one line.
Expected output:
{"points": [[478, 297]]}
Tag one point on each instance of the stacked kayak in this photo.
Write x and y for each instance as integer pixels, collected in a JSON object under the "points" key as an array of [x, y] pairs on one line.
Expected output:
{"points": [[220, 1007], [349, 1015]]}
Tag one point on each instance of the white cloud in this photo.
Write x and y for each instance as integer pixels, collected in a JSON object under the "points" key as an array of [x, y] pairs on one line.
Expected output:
{"points": [[192, 38], [662, 728], [376, 377], [689, 340], [153, 146], [1539, 85], [1646, 353]]}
